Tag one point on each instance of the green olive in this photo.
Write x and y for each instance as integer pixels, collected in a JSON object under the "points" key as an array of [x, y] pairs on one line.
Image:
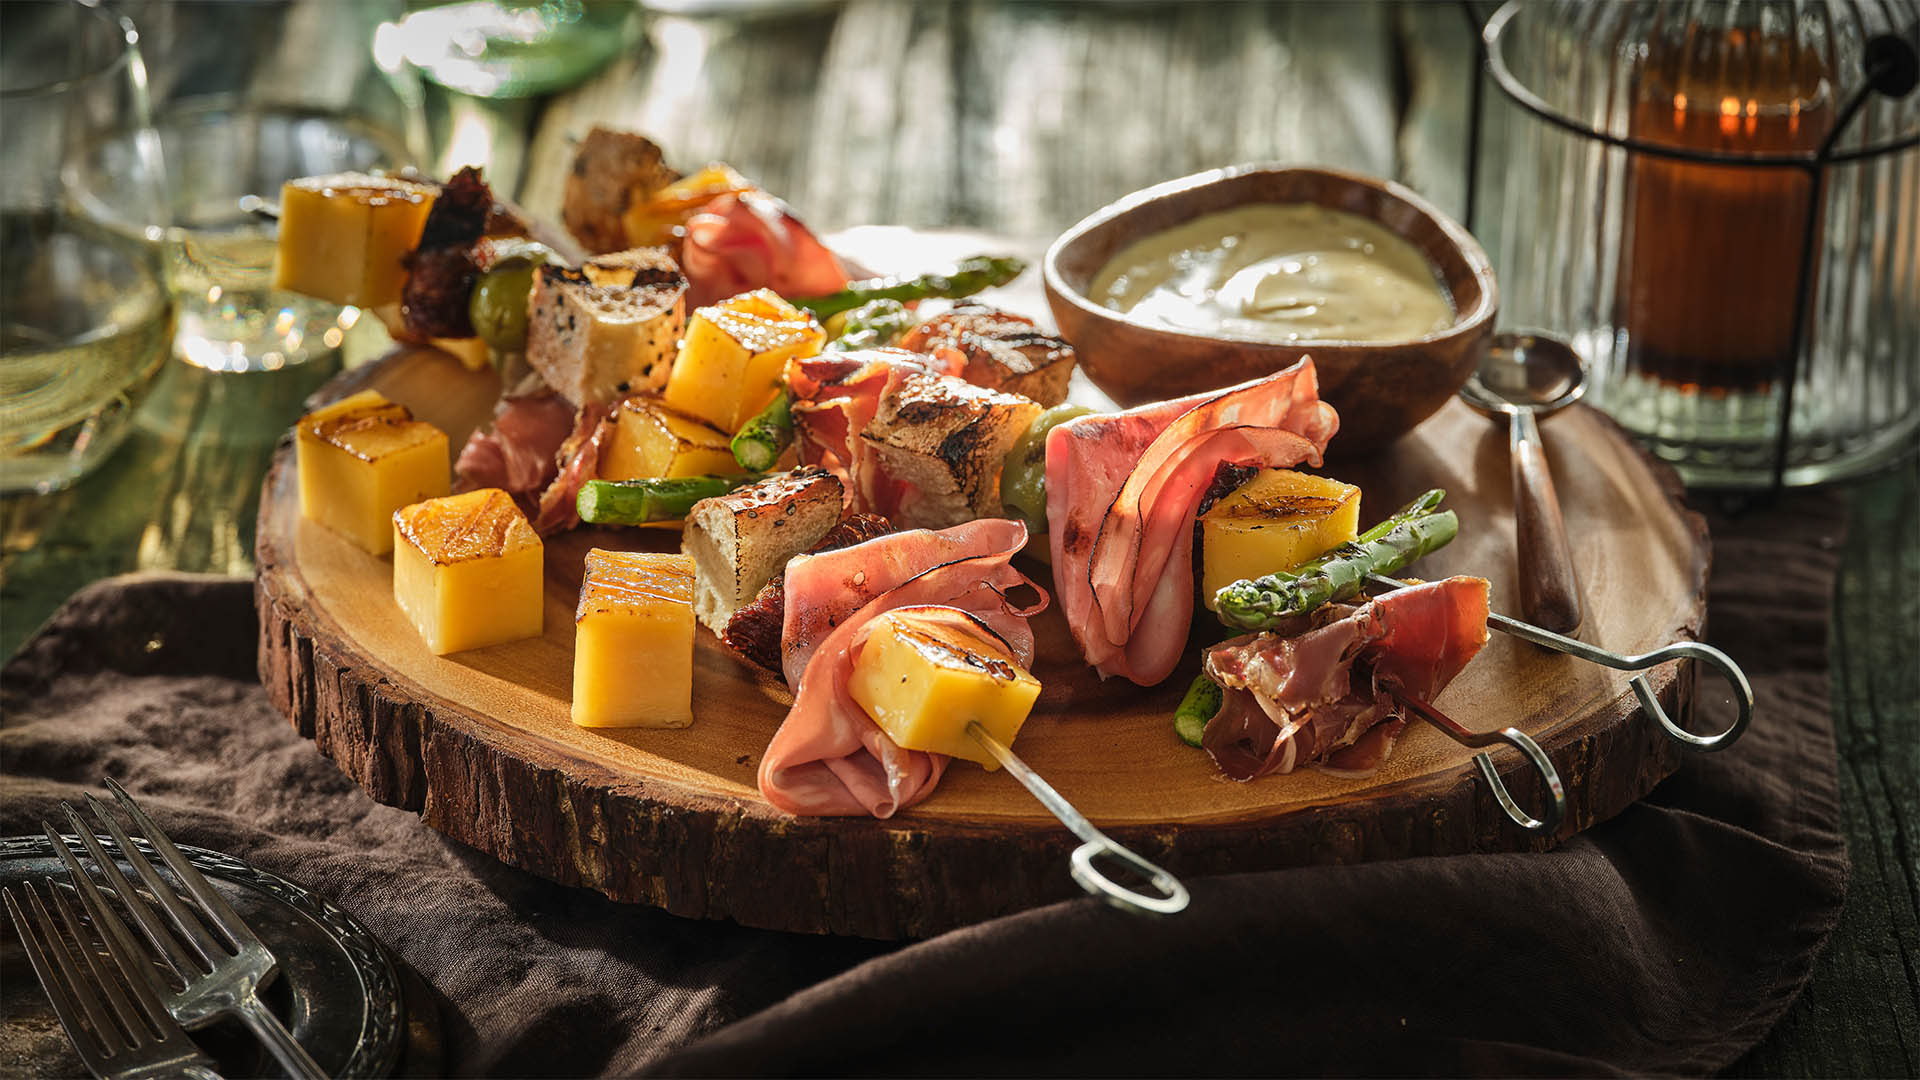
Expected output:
{"points": [[498, 306], [1023, 475]]}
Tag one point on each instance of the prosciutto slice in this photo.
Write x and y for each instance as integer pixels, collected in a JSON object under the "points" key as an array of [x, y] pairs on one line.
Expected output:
{"points": [[579, 456], [1319, 697], [746, 240], [828, 757], [1122, 492], [519, 452], [836, 395]]}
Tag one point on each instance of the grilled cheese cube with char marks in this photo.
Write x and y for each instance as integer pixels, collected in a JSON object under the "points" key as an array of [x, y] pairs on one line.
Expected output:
{"points": [[651, 439], [925, 673], [1001, 351], [609, 328], [1274, 521], [740, 540], [945, 440], [342, 236], [633, 641], [360, 459], [468, 570], [735, 356]]}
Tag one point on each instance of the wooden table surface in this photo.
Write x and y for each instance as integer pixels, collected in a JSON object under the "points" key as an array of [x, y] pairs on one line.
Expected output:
{"points": [[1020, 119]]}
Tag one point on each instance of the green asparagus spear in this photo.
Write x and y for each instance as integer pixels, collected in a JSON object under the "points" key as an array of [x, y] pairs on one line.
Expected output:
{"points": [[1416, 530], [637, 502], [761, 440], [967, 277], [872, 325], [1198, 707], [1023, 473]]}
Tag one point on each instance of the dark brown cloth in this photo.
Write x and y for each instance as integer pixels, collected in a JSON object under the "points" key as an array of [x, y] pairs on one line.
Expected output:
{"points": [[1665, 941]]}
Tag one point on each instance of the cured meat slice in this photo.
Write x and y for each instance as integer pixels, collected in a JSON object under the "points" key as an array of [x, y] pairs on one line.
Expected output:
{"points": [[748, 240], [579, 459], [1123, 490], [754, 630], [1320, 696], [519, 452], [828, 757]]}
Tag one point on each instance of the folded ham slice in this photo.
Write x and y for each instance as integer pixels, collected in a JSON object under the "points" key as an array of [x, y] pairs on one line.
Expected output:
{"points": [[828, 757], [1318, 694], [1122, 491], [749, 240]]}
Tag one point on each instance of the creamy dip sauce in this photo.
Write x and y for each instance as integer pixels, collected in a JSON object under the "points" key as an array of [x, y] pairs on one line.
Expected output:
{"points": [[1280, 273]]}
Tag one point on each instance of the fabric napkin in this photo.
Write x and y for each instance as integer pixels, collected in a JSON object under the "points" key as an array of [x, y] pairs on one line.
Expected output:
{"points": [[1667, 940]]}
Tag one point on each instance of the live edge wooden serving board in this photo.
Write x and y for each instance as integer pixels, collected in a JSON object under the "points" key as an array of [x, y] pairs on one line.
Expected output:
{"points": [[481, 745]]}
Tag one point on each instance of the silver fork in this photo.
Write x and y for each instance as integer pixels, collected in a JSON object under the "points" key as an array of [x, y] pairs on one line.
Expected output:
{"points": [[144, 1042], [219, 978]]}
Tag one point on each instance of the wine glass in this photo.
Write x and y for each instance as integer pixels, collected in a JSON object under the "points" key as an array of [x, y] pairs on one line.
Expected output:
{"points": [[85, 312]]}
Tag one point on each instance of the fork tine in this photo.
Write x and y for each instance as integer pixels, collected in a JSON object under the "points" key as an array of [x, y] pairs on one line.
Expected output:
{"points": [[107, 1041], [178, 913], [197, 885], [135, 962], [150, 924], [133, 1024]]}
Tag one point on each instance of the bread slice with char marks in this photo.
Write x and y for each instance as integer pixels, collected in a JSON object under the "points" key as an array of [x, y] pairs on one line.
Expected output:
{"points": [[945, 439], [742, 540]]}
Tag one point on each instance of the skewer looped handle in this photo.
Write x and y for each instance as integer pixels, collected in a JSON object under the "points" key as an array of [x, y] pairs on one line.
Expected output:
{"points": [[1173, 897], [1679, 650], [1556, 809]]}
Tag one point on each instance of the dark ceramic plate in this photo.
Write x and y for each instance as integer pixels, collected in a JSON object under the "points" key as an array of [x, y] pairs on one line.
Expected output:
{"points": [[336, 991]]}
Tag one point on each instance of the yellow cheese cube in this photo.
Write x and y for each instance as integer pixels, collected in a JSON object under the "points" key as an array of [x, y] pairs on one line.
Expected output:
{"points": [[362, 458], [342, 236], [924, 673], [633, 641], [735, 355], [650, 439], [1273, 522], [468, 570]]}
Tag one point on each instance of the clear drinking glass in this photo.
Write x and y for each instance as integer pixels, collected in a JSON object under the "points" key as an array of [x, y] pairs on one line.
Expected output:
{"points": [[246, 97], [85, 314], [510, 48]]}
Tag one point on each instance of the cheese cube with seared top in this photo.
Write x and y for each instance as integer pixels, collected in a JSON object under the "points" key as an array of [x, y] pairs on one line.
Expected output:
{"points": [[740, 540], [609, 328], [342, 236], [633, 641], [946, 440], [735, 355], [650, 439], [468, 570], [925, 673], [1273, 522], [360, 459]]}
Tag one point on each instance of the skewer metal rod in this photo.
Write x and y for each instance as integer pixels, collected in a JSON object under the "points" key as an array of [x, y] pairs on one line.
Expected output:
{"points": [[1174, 896], [1642, 689], [1556, 810]]}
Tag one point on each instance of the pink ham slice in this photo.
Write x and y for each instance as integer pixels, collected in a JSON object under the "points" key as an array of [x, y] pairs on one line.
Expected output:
{"points": [[1320, 697], [828, 757], [749, 240], [1122, 491]]}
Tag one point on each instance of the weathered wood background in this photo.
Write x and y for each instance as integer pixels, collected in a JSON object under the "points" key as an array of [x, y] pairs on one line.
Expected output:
{"points": [[1020, 119]]}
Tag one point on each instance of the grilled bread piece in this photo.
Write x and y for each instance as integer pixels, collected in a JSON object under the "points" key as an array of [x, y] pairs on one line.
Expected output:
{"points": [[608, 329], [946, 439], [1001, 351], [754, 631], [739, 541], [611, 171]]}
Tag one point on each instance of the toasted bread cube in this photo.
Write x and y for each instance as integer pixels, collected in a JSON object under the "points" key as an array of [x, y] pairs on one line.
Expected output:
{"points": [[1000, 350], [947, 439], [735, 355], [360, 459], [650, 439], [740, 540], [611, 171], [633, 641], [1275, 521], [468, 570], [925, 673], [609, 328], [342, 236]]}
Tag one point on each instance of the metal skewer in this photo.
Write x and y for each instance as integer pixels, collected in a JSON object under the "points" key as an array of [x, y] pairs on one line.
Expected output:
{"points": [[1556, 810], [1097, 843], [1679, 650]]}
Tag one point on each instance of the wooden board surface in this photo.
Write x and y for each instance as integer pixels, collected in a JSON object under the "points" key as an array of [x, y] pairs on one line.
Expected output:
{"points": [[481, 743]]}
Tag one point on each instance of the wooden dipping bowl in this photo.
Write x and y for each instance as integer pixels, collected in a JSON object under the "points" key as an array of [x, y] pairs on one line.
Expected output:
{"points": [[1382, 390]]}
